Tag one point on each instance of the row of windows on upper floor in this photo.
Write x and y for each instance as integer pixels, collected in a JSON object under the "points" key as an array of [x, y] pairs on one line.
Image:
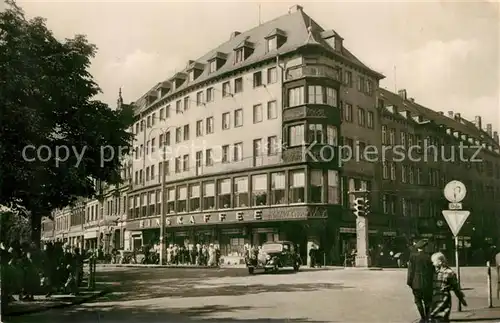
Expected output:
{"points": [[364, 118], [443, 148], [409, 207], [244, 191], [207, 127], [203, 97]]}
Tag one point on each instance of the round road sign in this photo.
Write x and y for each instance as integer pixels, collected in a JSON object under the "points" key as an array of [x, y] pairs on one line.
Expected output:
{"points": [[455, 191]]}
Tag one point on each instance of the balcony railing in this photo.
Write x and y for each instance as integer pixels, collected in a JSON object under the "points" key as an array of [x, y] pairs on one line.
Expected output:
{"points": [[313, 70]]}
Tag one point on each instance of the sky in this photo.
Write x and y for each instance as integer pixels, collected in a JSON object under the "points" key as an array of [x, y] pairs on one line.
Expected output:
{"points": [[446, 54]]}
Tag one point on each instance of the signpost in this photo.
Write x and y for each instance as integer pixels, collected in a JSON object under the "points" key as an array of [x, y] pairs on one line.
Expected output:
{"points": [[455, 192]]}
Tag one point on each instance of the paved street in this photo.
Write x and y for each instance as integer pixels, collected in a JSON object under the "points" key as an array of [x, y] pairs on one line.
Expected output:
{"points": [[230, 295]]}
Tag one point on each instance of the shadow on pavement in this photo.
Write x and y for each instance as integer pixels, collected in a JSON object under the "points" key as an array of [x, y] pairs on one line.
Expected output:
{"points": [[124, 314]]}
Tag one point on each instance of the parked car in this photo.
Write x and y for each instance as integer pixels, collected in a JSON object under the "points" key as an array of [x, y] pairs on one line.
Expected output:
{"points": [[273, 256]]}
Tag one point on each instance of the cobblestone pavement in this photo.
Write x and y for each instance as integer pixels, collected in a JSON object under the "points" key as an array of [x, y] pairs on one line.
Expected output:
{"points": [[231, 295]]}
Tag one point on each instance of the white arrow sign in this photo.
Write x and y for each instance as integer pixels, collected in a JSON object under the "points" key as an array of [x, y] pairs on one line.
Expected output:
{"points": [[455, 219]]}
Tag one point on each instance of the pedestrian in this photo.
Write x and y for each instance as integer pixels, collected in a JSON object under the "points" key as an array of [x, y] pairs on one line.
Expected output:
{"points": [[419, 279], [445, 280]]}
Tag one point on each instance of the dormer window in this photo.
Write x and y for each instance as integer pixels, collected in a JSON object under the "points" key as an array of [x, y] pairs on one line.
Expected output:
{"points": [[213, 65], [239, 56], [272, 44], [191, 76], [275, 40]]}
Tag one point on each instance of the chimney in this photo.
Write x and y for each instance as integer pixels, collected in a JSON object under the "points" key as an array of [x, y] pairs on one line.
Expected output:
{"points": [[412, 100], [478, 122], [402, 94], [234, 34], [450, 114], [495, 137], [441, 112], [295, 8], [457, 116], [489, 129]]}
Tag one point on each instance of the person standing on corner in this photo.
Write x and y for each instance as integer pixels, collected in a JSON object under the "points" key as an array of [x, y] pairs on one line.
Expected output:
{"points": [[419, 279]]}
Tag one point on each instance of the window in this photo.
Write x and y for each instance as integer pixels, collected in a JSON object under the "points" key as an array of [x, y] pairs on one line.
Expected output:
{"points": [[315, 94], [238, 152], [226, 120], [272, 145], [361, 83], [186, 132], [384, 135], [152, 203], [238, 57], [402, 134], [225, 154], [210, 94], [333, 187], [238, 85], [186, 103], [316, 133], [272, 76], [296, 96], [213, 65], [393, 171], [226, 89], [149, 121], [361, 117], [178, 134], [257, 113], [167, 138], [199, 162], [411, 175], [224, 193], [199, 98], [194, 197], [392, 137], [161, 141], [178, 107], [257, 79], [147, 147], [144, 205], [331, 96], [177, 164], [210, 125], [137, 207], [185, 163], [238, 118], [348, 112], [316, 186], [369, 87], [296, 186], [296, 135], [385, 170], [209, 158], [272, 110], [348, 78], [331, 135], [370, 120], [278, 188], [403, 173], [208, 196], [153, 119], [182, 199], [171, 200], [259, 190], [152, 172], [199, 128], [153, 145], [272, 44], [241, 192]]}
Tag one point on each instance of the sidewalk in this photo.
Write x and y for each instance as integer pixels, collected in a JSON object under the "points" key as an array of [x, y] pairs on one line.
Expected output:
{"points": [[477, 314], [220, 267], [42, 303]]}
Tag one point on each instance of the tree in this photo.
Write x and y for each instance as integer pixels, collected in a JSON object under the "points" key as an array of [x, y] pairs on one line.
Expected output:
{"points": [[46, 100]]}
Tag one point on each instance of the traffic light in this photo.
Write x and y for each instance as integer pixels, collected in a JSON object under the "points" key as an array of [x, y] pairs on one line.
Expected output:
{"points": [[359, 206], [367, 206]]}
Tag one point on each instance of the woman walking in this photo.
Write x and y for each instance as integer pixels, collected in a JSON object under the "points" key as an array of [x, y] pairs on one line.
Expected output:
{"points": [[445, 281]]}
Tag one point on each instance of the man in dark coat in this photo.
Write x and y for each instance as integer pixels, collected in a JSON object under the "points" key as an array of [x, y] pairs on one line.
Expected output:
{"points": [[419, 279]]}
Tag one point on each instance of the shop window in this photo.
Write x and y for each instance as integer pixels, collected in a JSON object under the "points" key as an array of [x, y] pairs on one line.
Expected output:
{"points": [[208, 196], [152, 202], [259, 190], [241, 198], [182, 199], [316, 186], [333, 187], [171, 201], [194, 197], [278, 188], [296, 187], [224, 193]]}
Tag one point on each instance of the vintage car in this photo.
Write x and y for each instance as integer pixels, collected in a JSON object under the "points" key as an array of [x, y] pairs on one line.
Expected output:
{"points": [[273, 256]]}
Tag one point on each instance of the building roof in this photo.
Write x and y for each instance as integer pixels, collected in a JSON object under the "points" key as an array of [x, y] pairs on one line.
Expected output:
{"points": [[296, 26], [463, 126]]}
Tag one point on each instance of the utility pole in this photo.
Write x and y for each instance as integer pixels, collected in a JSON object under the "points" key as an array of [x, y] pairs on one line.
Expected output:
{"points": [[162, 204]]}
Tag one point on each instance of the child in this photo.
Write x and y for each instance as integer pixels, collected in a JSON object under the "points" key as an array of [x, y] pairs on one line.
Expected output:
{"points": [[445, 281]]}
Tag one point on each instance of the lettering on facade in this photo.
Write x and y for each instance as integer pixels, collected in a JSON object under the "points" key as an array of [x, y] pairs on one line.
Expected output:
{"points": [[287, 213], [222, 217], [318, 212], [206, 218], [169, 222], [191, 220], [148, 223], [257, 215], [239, 216], [180, 220], [141, 224]]}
